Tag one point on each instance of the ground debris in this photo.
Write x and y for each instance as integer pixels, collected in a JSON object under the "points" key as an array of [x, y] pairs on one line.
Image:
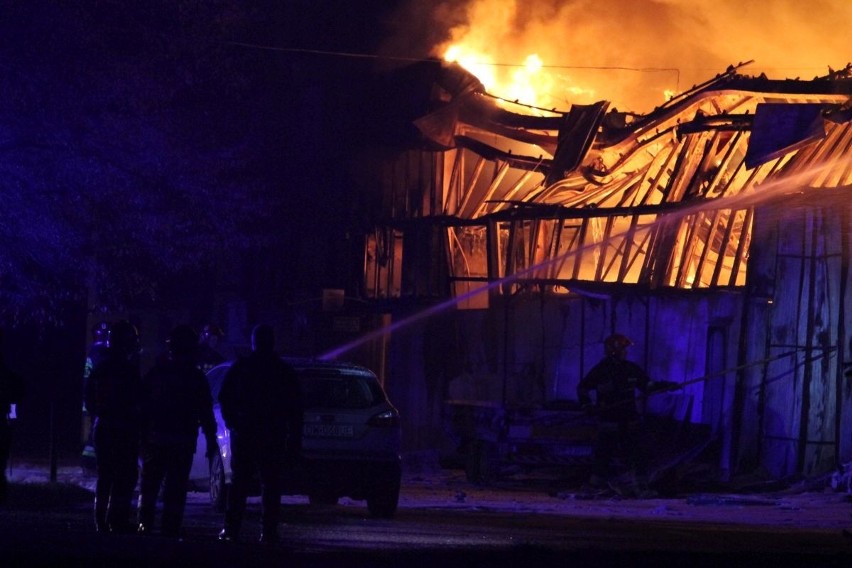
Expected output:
{"points": [[841, 480], [736, 500], [587, 494]]}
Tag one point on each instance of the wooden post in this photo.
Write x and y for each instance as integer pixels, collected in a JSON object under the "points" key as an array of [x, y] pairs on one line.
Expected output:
{"points": [[841, 332], [807, 374]]}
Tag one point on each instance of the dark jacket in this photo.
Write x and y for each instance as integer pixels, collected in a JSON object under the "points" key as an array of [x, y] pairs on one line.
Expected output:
{"points": [[615, 382], [112, 392], [97, 353], [175, 401], [261, 397], [208, 358]]}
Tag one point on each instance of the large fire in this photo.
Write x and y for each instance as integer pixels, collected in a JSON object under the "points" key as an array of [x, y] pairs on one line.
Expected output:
{"points": [[528, 83], [555, 53]]}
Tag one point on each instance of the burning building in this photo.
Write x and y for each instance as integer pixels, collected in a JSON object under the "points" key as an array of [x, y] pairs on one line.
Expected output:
{"points": [[714, 231]]}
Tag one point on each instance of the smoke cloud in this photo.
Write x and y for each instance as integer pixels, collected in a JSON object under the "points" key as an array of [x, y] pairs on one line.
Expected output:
{"points": [[633, 52]]}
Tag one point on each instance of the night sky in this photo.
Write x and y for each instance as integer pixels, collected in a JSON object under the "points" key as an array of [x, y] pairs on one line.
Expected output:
{"points": [[151, 138]]}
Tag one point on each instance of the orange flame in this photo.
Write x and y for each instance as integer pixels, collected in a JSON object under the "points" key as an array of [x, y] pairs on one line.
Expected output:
{"points": [[529, 83], [634, 54]]}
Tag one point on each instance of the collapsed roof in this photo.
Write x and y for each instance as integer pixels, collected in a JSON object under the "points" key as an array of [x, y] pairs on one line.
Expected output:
{"points": [[597, 195]]}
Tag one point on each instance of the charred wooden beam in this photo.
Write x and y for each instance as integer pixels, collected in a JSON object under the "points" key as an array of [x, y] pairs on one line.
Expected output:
{"points": [[723, 122], [491, 153]]}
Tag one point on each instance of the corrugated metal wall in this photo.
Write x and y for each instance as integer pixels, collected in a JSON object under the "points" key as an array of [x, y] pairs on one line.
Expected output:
{"points": [[801, 395]]}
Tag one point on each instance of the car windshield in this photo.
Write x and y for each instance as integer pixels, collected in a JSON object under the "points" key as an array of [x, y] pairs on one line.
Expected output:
{"points": [[340, 391], [322, 388]]}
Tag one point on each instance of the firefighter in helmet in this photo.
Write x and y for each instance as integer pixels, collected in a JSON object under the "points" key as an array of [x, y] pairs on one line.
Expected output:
{"points": [[112, 399], [615, 381], [97, 351], [176, 402]]}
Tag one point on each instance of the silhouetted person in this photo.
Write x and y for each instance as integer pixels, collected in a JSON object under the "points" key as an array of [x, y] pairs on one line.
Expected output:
{"points": [[175, 401], [615, 381], [112, 398], [11, 392], [260, 400], [97, 351], [208, 355]]}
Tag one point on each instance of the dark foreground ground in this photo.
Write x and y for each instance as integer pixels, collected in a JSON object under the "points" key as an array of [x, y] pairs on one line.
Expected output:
{"points": [[445, 521]]}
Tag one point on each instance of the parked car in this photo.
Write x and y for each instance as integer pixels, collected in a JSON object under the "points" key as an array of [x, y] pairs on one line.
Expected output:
{"points": [[350, 440]]}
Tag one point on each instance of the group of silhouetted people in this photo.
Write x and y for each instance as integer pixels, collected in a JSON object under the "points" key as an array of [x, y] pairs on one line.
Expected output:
{"points": [[154, 419]]}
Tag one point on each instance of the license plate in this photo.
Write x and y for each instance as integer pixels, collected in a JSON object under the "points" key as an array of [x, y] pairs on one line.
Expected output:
{"points": [[328, 430]]}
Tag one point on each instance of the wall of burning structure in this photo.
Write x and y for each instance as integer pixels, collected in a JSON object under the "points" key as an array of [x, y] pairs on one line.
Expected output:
{"points": [[797, 325], [645, 225]]}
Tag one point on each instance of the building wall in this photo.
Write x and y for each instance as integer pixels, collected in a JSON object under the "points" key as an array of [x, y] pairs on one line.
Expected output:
{"points": [[534, 349], [764, 366], [803, 398], [844, 339]]}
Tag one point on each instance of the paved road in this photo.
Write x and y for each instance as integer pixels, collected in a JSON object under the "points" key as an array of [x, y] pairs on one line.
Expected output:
{"points": [[445, 521]]}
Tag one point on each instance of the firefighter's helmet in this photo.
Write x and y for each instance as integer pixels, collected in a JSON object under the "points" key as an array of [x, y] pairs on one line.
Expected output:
{"points": [[123, 336], [262, 338], [182, 340], [616, 343]]}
